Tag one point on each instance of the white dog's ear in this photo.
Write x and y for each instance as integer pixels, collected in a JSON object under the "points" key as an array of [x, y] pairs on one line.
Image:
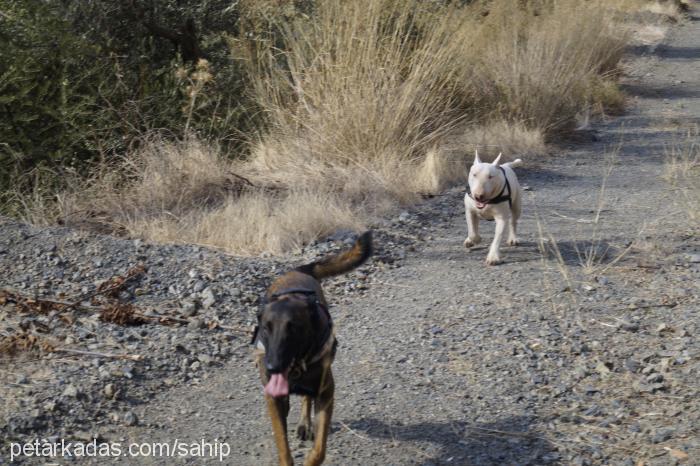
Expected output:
{"points": [[498, 159], [476, 156]]}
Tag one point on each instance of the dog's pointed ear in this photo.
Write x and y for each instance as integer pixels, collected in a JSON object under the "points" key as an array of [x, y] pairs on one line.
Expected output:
{"points": [[498, 160], [476, 156]]}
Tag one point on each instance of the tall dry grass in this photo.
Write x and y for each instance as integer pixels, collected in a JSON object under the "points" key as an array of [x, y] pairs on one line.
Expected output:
{"points": [[363, 103], [682, 172], [541, 65], [364, 87]]}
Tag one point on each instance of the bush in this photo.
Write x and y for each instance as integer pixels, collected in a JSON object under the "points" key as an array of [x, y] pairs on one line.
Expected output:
{"points": [[89, 79]]}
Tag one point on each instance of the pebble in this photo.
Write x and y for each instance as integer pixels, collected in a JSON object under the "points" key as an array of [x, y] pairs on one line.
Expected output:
{"points": [[130, 418], [195, 324], [661, 435], [208, 298], [109, 391], [629, 326], [190, 307], [71, 391]]}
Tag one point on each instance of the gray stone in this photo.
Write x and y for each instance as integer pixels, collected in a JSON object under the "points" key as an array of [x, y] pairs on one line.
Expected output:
{"points": [[208, 298], [130, 418], [71, 391], [661, 435]]}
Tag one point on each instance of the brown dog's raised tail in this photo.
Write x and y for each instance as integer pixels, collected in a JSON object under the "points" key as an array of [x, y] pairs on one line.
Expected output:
{"points": [[343, 262]]}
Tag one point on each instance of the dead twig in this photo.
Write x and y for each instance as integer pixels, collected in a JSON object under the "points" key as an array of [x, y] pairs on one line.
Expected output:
{"points": [[131, 357], [352, 431]]}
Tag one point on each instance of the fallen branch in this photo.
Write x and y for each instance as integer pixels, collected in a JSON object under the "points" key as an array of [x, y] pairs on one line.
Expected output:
{"points": [[131, 357], [352, 431]]}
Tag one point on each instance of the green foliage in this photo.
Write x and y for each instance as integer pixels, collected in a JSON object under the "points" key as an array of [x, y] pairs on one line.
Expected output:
{"points": [[81, 80], [47, 87]]}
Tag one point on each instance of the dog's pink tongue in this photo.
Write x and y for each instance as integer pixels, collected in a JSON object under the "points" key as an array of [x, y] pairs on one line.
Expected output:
{"points": [[277, 385]]}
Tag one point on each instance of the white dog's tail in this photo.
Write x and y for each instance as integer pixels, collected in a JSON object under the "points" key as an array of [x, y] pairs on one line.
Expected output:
{"points": [[513, 164]]}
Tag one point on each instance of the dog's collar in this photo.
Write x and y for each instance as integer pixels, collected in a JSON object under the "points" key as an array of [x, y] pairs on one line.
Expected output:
{"points": [[502, 197]]}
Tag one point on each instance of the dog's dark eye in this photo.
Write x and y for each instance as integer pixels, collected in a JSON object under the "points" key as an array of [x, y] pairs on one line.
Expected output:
{"points": [[490, 176]]}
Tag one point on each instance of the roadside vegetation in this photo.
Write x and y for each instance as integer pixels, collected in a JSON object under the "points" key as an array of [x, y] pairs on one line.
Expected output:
{"points": [[258, 126]]}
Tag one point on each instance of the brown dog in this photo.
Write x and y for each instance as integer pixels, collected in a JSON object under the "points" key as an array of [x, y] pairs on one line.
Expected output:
{"points": [[296, 346]]}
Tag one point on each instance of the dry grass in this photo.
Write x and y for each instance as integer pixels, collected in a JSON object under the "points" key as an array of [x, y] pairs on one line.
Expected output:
{"points": [[497, 137], [541, 70], [672, 9], [682, 172], [362, 100], [593, 255]]}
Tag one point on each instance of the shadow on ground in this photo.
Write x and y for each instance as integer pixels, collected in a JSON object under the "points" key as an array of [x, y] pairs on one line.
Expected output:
{"points": [[510, 441], [584, 252]]}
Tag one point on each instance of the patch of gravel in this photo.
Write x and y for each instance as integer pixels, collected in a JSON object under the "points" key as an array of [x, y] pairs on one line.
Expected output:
{"points": [[213, 296]]}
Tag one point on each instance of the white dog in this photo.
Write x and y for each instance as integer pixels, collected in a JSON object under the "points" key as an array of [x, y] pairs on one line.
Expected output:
{"points": [[493, 194]]}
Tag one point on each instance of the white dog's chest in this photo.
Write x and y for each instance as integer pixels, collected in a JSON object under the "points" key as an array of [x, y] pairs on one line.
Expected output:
{"points": [[485, 214]]}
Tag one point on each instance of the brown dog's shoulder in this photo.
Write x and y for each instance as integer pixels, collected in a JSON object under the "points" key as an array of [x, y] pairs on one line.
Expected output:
{"points": [[292, 280]]}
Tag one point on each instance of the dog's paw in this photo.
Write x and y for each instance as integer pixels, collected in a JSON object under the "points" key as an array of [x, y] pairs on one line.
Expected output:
{"points": [[493, 259], [513, 241], [470, 242], [305, 432]]}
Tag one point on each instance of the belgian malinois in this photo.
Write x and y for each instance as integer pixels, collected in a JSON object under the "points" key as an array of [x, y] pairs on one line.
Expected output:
{"points": [[296, 346]]}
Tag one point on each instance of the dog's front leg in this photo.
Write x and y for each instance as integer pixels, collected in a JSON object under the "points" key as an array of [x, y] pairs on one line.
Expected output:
{"points": [[512, 227], [494, 256], [323, 407], [304, 428], [473, 237], [279, 409]]}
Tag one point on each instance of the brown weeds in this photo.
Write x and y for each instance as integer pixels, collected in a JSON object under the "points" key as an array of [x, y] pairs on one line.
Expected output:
{"points": [[22, 341], [368, 104]]}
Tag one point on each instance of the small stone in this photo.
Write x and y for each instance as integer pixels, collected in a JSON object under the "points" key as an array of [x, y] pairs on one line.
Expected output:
{"points": [[629, 326], [130, 419], [205, 358], [198, 286], [694, 258], [71, 391], [602, 368], [195, 324], [655, 378], [661, 435], [190, 307], [109, 391], [208, 298], [632, 365]]}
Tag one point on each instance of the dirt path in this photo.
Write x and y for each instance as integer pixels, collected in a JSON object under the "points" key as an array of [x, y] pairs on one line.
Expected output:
{"points": [[536, 361], [446, 361]]}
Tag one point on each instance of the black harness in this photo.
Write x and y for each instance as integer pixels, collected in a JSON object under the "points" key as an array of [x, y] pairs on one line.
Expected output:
{"points": [[502, 197]]}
